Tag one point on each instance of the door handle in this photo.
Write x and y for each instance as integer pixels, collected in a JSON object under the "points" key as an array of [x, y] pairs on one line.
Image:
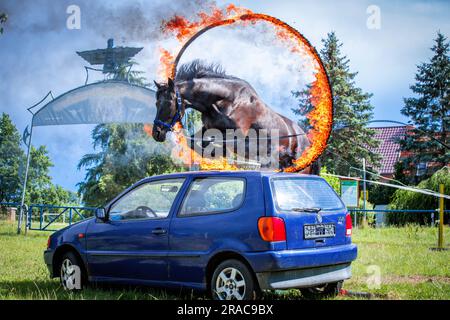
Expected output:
{"points": [[159, 231]]}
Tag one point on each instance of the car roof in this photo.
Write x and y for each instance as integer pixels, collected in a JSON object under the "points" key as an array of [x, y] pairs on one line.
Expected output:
{"points": [[224, 173]]}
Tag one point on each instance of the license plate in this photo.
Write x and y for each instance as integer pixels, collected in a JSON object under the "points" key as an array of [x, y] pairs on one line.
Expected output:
{"points": [[320, 230]]}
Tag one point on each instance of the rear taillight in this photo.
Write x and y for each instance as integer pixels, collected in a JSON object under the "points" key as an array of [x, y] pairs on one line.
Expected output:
{"points": [[348, 225], [272, 229], [48, 242]]}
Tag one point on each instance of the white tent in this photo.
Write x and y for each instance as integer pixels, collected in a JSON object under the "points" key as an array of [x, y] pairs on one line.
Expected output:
{"points": [[101, 102], [108, 101]]}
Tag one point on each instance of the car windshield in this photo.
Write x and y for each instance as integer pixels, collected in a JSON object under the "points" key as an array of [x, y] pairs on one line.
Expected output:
{"points": [[300, 194]]}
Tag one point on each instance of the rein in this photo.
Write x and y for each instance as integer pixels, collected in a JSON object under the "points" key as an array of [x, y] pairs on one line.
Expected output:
{"points": [[177, 117]]}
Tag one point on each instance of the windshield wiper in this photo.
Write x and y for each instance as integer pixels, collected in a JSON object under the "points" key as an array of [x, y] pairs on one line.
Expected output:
{"points": [[315, 210]]}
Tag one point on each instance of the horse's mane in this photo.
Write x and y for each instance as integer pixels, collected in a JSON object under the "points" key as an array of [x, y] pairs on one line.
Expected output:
{"points": [[200, 69]]}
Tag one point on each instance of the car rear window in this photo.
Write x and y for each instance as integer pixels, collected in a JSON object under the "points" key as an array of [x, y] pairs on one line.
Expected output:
{"points": [[291, 193]]}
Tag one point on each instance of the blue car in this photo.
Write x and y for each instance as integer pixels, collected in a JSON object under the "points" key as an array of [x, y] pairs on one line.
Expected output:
{"points": [[233, 234]]}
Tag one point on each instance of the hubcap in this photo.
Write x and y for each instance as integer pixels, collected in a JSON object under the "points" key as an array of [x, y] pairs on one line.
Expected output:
{"points": [[230, 284], [67, 274]]}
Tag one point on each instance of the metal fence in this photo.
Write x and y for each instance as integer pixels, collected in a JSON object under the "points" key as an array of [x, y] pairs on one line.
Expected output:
{"points": [[380, 214], [47, 217]]}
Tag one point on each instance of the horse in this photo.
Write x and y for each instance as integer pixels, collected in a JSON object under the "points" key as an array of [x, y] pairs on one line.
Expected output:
{"points": [[225, 102]]}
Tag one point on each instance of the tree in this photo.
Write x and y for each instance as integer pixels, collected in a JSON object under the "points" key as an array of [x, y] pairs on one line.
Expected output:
{"points": [[3, 18], [334, 182], [379, 194], [38, 175], [125, 72], [11, 158], [40, 189], [127, 154], [350, 139], [404, 200], [429, 111]]}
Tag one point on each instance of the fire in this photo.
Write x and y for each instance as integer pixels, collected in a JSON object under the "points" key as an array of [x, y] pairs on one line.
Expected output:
{"points": [[148, 129], [320, 118], [166, 61], [189, 156]]}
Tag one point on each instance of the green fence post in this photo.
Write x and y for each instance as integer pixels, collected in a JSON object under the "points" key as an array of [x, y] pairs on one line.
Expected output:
{"points": [[441, 218]]}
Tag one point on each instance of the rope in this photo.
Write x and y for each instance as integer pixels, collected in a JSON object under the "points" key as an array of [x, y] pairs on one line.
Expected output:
{"points": [[427, 192]]}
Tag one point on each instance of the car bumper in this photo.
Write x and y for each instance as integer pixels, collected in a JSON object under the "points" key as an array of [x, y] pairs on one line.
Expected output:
{"points": [[303, 278], [278, 260], [285, 269], [48, 258]]}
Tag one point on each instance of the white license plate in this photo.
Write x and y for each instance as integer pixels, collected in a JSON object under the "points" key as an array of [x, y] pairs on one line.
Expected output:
{"points": [[319, 230]]}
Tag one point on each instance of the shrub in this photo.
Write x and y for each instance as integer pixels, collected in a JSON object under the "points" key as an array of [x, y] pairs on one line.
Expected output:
{"points": [[404, 200]]}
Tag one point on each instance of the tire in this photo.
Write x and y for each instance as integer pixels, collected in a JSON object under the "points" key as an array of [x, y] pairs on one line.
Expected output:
{"points": [[71, 272], [328, 290], [232, 280]]}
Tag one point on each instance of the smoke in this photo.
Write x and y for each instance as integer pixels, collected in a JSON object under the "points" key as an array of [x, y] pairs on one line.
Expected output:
{"points": [[130, 21], [28, 16], [140, 21], [139, 146]]}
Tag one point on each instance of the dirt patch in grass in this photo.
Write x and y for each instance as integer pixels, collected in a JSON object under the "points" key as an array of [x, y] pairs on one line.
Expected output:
{"points": [[410, 279], [413, 279]]}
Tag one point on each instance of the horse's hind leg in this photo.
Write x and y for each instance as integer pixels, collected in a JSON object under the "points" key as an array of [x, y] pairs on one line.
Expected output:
{"points": [[286, 160]]}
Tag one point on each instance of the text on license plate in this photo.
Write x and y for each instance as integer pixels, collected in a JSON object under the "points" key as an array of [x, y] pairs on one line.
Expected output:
{"points": [[320, 230]]}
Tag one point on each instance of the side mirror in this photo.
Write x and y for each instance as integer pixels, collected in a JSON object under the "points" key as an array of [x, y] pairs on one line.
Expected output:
{"points": [[100, 213]]}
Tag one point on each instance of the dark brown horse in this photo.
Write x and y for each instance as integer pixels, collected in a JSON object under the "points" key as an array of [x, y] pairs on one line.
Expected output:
{"points": [[225, 102]]}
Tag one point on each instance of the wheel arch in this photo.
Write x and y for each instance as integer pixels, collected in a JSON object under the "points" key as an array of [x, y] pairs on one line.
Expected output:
{"points": [[222, 256], [60, 251]]}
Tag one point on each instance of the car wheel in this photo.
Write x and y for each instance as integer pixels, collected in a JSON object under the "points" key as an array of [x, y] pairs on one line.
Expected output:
{"points": [[71, 272], [326, 290], [232, 280]]}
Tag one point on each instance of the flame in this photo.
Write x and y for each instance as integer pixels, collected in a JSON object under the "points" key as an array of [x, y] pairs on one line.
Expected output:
{"points": [[189, 156], [320, 118], [148, 129], [166, 61]]}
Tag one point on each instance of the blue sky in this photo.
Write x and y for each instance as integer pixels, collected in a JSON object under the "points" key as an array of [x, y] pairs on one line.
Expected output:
{"points": [[38, 53]]}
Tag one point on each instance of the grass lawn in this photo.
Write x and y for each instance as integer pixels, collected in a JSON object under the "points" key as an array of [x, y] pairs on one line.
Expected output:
{"points": [[399, 257]]}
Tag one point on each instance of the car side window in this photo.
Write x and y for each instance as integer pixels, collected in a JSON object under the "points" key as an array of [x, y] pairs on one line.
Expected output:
{"points": [[213, 195], [151, 200]]}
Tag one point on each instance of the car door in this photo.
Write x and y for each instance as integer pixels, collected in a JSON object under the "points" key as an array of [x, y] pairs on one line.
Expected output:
{"points": [[133, 242], [207, 218]]}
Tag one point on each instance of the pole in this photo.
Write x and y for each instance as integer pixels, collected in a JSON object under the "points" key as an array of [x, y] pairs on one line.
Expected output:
{"points": [[21, 213], [364, 189], [441, 218]]}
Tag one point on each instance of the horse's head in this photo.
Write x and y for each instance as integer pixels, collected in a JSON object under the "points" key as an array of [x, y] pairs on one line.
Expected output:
{"points": [[167, 110]]}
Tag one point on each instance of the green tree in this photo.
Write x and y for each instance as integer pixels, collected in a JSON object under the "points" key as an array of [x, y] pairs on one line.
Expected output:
{"points": [[333, 181], [3, 18], [404, 200], [127, 154], [11, 158], [350, 138], [429, 110], [40, 189], [379, 194], [125, 72]]}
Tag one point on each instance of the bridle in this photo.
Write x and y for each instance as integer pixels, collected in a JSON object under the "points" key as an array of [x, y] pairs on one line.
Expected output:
{"points": [[176, 117]]}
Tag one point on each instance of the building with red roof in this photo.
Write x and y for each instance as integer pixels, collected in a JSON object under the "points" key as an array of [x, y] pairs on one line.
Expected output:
{"points": [[389, 148]]}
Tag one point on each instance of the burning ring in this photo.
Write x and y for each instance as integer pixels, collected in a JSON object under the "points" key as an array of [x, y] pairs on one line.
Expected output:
{"points": [[321, 116]]}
